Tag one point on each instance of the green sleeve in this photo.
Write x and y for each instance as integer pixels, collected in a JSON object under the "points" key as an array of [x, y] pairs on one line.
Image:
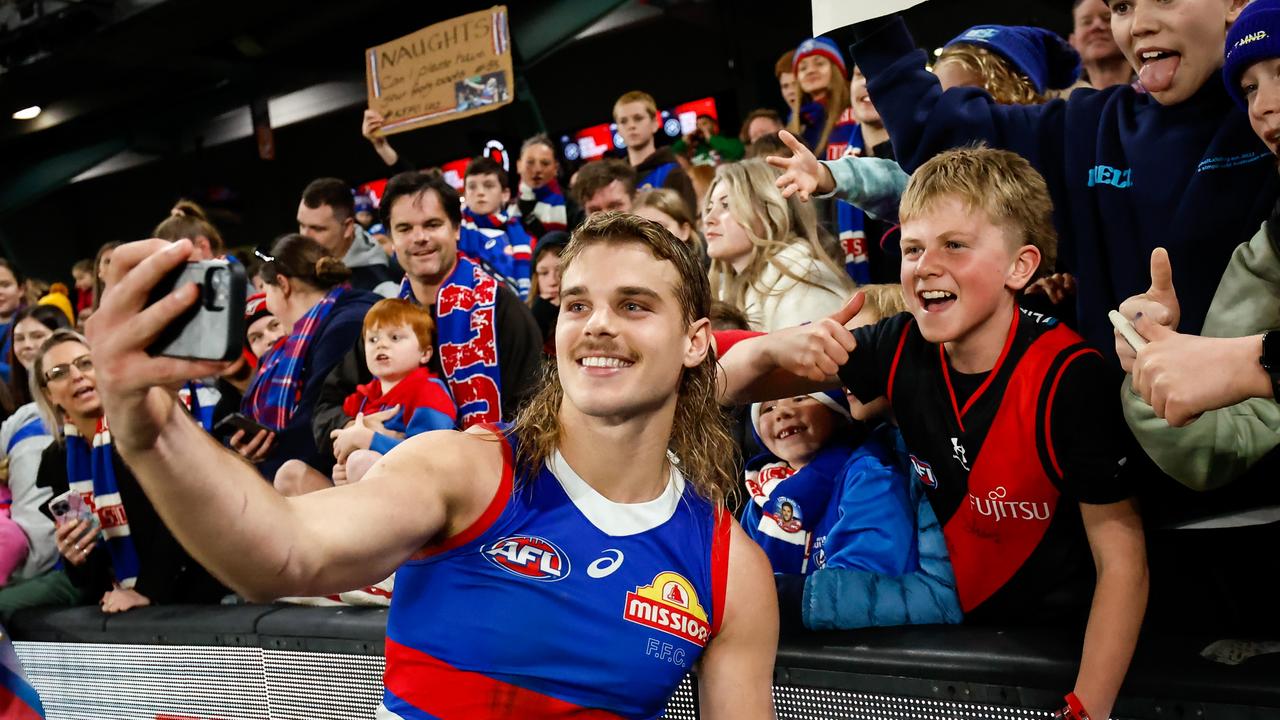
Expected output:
{"points": [[1221, 445]]}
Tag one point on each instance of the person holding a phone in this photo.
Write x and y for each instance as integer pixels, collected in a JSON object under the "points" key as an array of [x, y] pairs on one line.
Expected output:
{"points": [[23, 438], [611, 485], [307, 291], [262, 331], [123, 554]]}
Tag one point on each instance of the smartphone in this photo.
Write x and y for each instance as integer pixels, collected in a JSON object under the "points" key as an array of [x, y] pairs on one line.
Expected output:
{"points": [[69, 506], [238, 421], [213, 327]]}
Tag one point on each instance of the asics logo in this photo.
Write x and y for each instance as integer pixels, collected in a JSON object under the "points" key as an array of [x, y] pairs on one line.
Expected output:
{"points": [[605, 566]]}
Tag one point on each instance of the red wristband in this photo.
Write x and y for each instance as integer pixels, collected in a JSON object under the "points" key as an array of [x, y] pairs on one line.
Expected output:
{"points": [[1074, 709]]}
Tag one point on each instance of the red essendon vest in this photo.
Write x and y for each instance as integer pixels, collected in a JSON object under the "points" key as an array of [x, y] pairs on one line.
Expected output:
{"points": [[988, 465]]}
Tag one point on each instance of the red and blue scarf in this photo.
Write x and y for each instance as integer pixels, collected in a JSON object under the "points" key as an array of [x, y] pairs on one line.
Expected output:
{"points": [[91, 471], [501, 246], [466, 308], [273, 396], [548, 206], [851, 221]]}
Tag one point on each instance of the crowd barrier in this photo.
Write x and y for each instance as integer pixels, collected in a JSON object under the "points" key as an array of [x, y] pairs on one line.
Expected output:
{"points": [[286, 663]]}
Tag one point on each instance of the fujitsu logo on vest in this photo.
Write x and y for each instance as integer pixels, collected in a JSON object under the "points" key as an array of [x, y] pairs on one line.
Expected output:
{"points": [[995, 505]]}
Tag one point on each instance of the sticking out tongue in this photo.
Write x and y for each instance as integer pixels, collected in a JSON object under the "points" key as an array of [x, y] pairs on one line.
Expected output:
{"points": [[1157, 75]]}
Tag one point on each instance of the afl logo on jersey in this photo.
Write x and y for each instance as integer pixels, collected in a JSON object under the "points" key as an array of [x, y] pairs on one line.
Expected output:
{"points": [[669, 604], [924, 472], [529, 557]]}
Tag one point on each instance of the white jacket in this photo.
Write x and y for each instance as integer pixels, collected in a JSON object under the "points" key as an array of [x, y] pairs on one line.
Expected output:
{"points": [[23, 438], [777, 300]]}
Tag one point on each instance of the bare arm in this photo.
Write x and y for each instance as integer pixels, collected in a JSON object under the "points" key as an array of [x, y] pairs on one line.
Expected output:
{"points": [[794, 361], [1119, 602], [220, 509], [735, 679], [370, 127]]}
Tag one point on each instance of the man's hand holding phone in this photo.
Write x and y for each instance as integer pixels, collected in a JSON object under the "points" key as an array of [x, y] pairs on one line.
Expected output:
{"points": [[131, 381]]}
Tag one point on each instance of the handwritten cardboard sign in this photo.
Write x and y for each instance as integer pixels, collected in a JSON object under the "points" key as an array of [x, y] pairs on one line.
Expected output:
{"points": [[443, 72], [830, 15]]}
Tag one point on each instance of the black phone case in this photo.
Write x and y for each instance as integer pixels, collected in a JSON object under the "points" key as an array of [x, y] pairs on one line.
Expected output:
{"points": [[230, 424], [213, 327]]}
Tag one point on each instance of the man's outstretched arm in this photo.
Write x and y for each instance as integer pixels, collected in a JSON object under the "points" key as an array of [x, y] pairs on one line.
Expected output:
{"points": [[793, 361], [231, 520]]}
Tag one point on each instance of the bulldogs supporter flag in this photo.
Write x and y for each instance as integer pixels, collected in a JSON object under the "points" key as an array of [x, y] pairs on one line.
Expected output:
{"points": [[443, 72], [830, 15]]}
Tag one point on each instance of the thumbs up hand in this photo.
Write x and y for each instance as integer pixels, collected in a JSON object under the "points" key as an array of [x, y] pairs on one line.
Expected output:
{"points": [[816, 351], [1160, 302], [793, 361], [1158, 305]]}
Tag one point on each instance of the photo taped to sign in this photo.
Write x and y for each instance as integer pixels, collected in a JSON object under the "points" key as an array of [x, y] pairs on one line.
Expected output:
{"points": [[446, 71]]}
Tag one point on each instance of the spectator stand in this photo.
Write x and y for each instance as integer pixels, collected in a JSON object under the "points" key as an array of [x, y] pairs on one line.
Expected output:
{"points": [[286, 662]]}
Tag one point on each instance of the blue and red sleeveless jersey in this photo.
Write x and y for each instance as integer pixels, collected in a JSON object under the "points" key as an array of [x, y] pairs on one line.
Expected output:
{"points": [[558, 603]]}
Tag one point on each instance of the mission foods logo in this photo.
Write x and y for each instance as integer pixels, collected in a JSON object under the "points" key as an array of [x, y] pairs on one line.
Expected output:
{"points": [[529, 557], [669, 604]]}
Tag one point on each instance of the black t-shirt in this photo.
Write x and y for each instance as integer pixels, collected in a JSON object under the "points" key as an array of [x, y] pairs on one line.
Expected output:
{"points": [[1005, 457]]}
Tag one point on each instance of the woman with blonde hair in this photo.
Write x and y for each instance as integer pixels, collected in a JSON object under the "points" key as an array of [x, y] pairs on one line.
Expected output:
{"points": [[765, 253], [137, 561]]}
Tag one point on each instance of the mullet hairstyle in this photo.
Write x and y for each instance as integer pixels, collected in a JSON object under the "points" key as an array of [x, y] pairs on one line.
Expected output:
{"points": [[704, 451], [1000, 183]]}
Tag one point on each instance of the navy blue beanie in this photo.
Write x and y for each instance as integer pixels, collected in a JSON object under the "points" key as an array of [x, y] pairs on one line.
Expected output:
{"points": [[1254, 37], [1043, 56]]}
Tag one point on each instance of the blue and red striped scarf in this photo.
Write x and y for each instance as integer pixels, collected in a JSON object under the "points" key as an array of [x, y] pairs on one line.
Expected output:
{"points": [[851, 221], [91, 471], [501, 245], [273, 396], [465, 312], [549, 206]]}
